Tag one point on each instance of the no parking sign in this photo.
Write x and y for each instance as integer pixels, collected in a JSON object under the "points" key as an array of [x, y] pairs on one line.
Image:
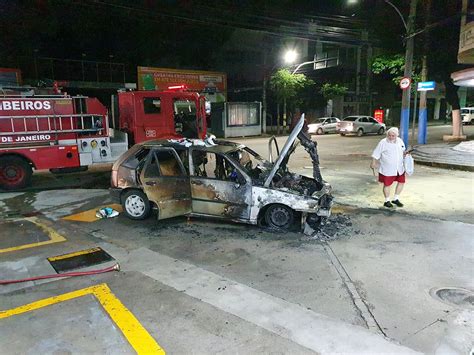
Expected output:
{"points": [[405, 83]]}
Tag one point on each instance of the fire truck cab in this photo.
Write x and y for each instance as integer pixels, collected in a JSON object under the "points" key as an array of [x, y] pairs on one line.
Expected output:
{"points": [[146, 115], [65, 134]]}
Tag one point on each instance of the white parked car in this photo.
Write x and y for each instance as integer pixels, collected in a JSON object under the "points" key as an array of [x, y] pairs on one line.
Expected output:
{"points": [[323, 125], [467, 114]]}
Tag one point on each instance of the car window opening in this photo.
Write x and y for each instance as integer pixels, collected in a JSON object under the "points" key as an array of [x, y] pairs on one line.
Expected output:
{"points": [[163, 163]]}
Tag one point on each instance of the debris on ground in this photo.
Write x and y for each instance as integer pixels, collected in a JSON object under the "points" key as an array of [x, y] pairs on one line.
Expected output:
{"points": [[106, 212], [335, 227]]}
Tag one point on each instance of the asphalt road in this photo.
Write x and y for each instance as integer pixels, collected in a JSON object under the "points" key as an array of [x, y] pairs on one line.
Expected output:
{"points": [[204, 286]]}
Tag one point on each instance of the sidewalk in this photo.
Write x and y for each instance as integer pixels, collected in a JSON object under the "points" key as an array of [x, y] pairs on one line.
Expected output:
{"points": [[459, 156]]}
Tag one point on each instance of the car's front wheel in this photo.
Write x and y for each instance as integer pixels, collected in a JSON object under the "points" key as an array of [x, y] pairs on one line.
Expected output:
{"points": [[381, 131], [319, 131], [136, 205], [279, 216]]}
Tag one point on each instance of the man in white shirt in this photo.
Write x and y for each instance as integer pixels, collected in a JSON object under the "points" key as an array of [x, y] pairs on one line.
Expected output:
{"points": [[389, 155]]}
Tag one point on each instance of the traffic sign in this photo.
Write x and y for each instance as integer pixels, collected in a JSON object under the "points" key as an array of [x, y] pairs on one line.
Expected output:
{"points": [[426, 85], [405, 83]]}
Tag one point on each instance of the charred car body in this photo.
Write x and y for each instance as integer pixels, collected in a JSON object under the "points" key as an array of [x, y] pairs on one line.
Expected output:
{"points": [[220, 179]]}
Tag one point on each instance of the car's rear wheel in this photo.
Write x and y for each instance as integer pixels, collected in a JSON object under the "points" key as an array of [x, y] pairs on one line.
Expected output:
{"points": [[136, 205], [342, 134], [319, 131], [279, 216], [360, 132], [381, 131]]}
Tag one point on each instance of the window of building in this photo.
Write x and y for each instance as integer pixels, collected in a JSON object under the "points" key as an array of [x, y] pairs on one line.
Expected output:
{"points": [[242, 115]]}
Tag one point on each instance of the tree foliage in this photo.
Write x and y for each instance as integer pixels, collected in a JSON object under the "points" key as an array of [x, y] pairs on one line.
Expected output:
{"points": [[394, 66], [331, 91], [286, 85]]}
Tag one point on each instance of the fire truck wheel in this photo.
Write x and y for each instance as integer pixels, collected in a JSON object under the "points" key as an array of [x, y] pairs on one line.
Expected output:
{"points": [[136, 205], [15, 173]]}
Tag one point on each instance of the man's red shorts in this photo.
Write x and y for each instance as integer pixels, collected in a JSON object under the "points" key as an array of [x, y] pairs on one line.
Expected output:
{"points": [[388, 180]]}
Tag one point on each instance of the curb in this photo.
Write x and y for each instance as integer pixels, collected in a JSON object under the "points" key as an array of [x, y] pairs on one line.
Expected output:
{"points": [[445, 165]]}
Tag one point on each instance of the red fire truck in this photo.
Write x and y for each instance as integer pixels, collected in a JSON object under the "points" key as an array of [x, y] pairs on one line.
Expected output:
{"points": [[65, 134]]}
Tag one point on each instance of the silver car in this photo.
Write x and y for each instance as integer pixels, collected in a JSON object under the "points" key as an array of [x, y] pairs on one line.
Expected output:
{"points": [[360, 125], [323, 125]]}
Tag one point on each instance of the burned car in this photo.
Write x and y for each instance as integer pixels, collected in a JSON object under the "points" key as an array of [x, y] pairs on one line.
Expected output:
{"points": [[220, 179]]}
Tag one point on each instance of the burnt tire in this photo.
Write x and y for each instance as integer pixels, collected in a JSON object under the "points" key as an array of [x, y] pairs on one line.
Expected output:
{"points": [[15, 173], [360, 132], [320, 131], [136, 205], [279, 216], [381, 131]]}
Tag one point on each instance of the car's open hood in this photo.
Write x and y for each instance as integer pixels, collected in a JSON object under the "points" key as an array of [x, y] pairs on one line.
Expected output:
{"points": [[285, 151]]}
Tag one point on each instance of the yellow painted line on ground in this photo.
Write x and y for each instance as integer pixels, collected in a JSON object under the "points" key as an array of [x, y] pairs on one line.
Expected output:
{"points": [[89, 215], [342, 209], [54, 237], [141, 341], [71, 255]]}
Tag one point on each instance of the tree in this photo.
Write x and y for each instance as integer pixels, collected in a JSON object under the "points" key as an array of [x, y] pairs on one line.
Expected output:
{"points": [[286, 86], [331, 91], [393, 65]]}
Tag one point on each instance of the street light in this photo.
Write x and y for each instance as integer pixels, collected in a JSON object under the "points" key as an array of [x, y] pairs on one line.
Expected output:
{"points": [[290, 56]]}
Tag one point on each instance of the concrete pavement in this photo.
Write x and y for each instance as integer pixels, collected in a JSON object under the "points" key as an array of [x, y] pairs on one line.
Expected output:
{"points": [[448, 155], [202, 286]]}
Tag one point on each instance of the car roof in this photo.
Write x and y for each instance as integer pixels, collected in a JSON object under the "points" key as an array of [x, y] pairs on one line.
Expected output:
{"points": [[221, 146]]}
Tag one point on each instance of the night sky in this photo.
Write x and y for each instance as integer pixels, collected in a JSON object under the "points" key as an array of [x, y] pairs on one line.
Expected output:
{"points": [[189, 34]]}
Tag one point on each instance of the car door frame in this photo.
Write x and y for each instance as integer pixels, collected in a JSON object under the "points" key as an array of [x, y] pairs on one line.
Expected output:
{"points": [[220, 198], [171, 194], [331, 127], [374, 124]]}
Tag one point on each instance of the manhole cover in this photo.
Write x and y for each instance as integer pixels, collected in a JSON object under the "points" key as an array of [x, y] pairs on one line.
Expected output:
{"points": [[455, 296]]}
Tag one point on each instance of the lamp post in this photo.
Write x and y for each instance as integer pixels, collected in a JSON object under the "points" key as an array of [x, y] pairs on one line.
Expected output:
{"points": [[409, 26], [290, 57], [408, 72]]}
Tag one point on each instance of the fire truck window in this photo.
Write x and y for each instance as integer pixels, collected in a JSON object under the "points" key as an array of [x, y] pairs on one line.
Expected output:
{"points": [[152, 105], [185, 118]]}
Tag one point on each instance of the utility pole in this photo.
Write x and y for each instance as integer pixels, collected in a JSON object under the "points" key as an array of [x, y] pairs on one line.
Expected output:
{"points": [[423, 115], [405, 113]]}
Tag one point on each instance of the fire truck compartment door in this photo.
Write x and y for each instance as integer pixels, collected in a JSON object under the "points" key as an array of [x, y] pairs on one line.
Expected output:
{"points": [[166, 183]]}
